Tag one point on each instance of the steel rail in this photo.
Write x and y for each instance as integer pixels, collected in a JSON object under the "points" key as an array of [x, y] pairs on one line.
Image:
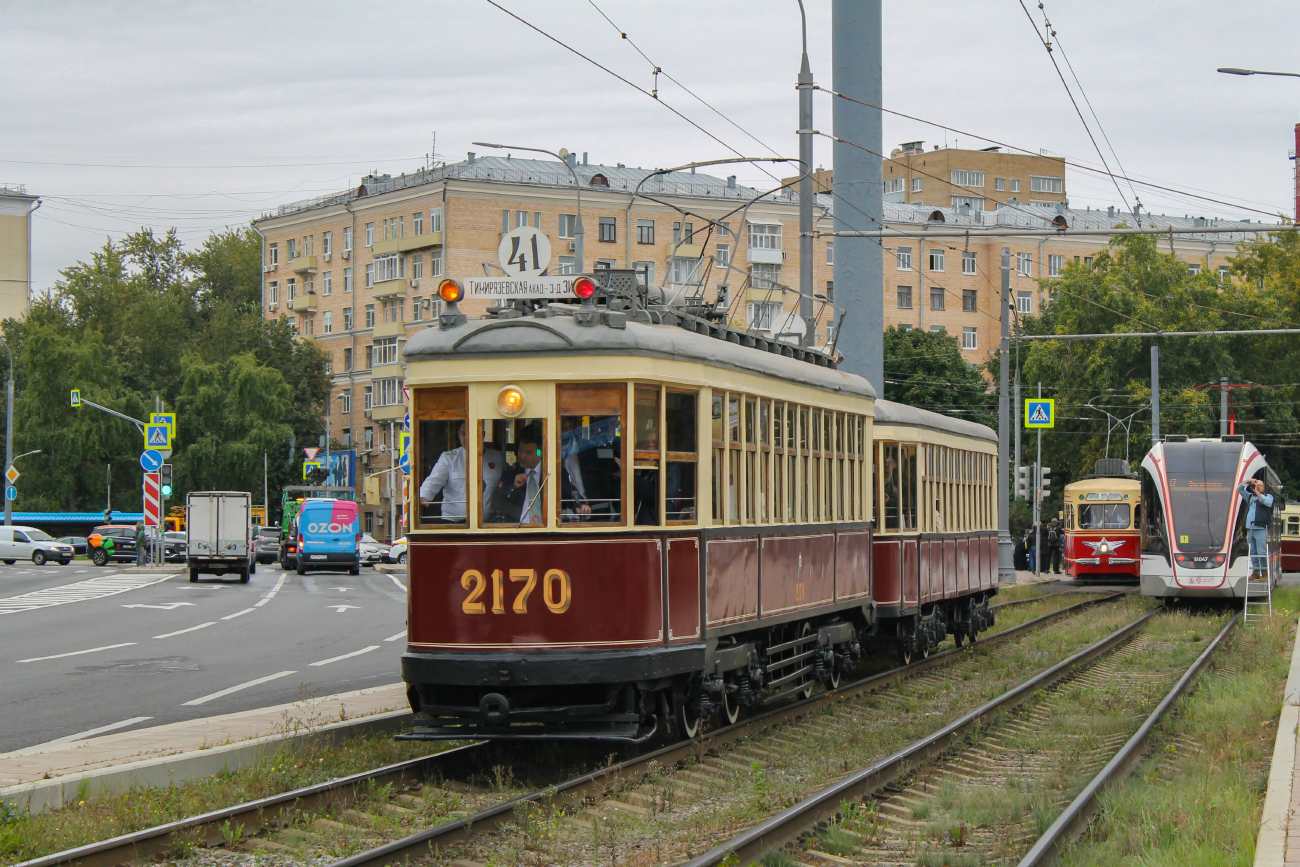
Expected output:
{"points": [[790, 824], [579, 790], [1076, 817], [147, 843]]}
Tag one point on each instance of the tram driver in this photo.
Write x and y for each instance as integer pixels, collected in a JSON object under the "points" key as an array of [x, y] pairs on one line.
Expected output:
{"points": [[518, 497]]}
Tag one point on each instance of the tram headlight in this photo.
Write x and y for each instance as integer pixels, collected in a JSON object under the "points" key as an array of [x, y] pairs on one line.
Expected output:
{"points": [[584, 287], [510, 401], [1103, 548], [450, 291]]}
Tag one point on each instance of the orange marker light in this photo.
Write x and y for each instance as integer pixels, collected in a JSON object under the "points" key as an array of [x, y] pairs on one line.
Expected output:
{"points": [[510, 401], [584, 288], [450, 291]]}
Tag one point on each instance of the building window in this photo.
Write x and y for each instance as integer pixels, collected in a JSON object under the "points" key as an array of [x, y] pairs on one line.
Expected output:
{"points": [[608, 229], [346, 435], [273, 294], [645, 231], [905, 297], [936, 260], [505, 221], [327, 243], [916, 185], [292, 286], [1193, 269], [765, 315], [967, 178], [938, 329], [1015, 186], [645, 273], [764, 236], [386, 392], [974, 203], [521, 219], [327, 322], [435, 220], [682, 271], [968, 262], [1046, 185], [893, 185], [937, 298], [999, 184], [417, 266], [435, 263], [327, 283], [347, 279], [370, 275], [370, 316], [293, 248], [1224, 271], [1024, 302], [1024, 264], [347, 322], [388, 267], [370, 355], [566, 264], [370, 234], [763, 275], [969, 300], [568, 225], [1087, 261], [904, 258], [347, 360], [830, 252], [394, 310], [905, 326], [970, 338], [723, 255], [273, 255], [417, 308], [830, 291], [1054, 265], [417, 223], [368, 395], [683, 234], [347, 238]]}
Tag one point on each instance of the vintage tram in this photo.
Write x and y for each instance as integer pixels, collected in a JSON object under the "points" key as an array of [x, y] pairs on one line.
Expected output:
{"points": [[1193, 519], [1102, 521], [1290, 540], [628, 519]]}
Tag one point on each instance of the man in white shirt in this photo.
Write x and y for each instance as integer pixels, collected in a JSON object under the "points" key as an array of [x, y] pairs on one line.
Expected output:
{"points": [[448, 477]]}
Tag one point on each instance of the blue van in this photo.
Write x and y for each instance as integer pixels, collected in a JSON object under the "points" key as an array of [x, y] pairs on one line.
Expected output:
{"points": [[329, 535]]}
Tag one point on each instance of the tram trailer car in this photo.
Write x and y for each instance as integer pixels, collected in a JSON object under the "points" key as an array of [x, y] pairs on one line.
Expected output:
{"points": [[651, 526], [1194, 519], [1291, 538], [1103, 539]]}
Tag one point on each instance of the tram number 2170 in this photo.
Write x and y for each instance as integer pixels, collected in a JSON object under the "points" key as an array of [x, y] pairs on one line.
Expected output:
{"points": [[557, 590]]}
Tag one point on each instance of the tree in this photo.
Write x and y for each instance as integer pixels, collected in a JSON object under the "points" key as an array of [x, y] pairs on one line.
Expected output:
{"points": [[925, 369]]}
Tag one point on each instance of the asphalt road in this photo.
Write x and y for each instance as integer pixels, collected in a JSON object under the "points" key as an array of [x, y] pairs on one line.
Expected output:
{"points": [[123, 651]]}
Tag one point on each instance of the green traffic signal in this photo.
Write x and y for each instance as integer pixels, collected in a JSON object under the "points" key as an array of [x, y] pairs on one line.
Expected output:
{"points": [[166, 490]]}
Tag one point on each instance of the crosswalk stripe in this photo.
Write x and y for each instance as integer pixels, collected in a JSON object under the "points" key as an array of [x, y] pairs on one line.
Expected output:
{"points": [[82, 591]]}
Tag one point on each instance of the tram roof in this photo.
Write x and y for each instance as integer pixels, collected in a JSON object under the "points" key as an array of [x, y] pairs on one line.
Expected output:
{"points": [[560, 335], [888, 412]]}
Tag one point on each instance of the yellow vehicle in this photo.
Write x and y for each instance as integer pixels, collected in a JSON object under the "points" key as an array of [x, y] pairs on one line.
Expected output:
{"points": [[175, 520]]}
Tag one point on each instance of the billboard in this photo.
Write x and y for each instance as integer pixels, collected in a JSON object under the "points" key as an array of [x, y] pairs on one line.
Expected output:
{"points": [[342, 468]]}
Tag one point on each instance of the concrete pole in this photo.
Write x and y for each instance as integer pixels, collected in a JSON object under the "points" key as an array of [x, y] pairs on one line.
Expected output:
{"points": [[9, 435], [1037, 565], [1006, 548], [805, 87], [1223, 406], [859, 262], [1155, 395]]}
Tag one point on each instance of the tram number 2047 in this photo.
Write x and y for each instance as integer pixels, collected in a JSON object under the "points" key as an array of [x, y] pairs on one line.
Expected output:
{"points": [[557, 590]]}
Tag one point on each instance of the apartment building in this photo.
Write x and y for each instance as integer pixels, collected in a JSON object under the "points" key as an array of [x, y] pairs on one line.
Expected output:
{"points": [[358, 271], [16, 207], [979, 180]]}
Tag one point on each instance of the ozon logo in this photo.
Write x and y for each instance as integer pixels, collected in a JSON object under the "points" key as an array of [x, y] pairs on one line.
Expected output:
{"points": [[328, 528]]}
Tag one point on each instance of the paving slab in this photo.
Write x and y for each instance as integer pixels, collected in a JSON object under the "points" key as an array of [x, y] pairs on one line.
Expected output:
{"points": [[1278, 841]]}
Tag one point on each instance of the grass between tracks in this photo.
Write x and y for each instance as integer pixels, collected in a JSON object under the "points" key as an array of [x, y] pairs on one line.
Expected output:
{"points": [[1197, 797]]}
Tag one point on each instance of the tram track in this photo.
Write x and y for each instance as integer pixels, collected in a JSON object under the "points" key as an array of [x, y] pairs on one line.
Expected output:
{"points": [[406, 793]]}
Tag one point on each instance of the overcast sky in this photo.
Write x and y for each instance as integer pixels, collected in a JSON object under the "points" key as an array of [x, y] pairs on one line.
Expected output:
{"points": [[203, 115]]}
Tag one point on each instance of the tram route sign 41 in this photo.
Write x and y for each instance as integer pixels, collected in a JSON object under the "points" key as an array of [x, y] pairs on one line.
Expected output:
{"points": [[1040, 413]]}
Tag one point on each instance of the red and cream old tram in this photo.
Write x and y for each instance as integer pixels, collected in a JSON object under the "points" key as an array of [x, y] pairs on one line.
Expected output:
{"points": [[1103, 538], [629, 520]]}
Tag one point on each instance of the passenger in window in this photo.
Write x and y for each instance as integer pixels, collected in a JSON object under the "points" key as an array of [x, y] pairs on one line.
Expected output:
{"points": [[938, 516], [448, 477], [592, 469], [518, 497], [891, 493]]}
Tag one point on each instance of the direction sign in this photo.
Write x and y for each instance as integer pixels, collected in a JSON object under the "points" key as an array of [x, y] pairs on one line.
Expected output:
{"points": [[157, 436], [150, 460], [11, 493], [1040, 412], [406, 422], [12, 474], [76, 398], [311, 453]]}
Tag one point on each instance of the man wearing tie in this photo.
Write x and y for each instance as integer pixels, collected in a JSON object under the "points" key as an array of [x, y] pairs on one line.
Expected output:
{"points": [[520, 493]]}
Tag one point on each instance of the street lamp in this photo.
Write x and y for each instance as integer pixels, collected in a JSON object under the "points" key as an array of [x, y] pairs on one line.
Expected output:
{"points": [[562, 156], [1232, 70]]}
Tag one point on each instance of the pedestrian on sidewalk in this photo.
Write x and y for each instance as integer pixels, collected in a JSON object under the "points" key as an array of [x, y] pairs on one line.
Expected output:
{"points": [[1055, 542], [1259, 513], [1031, 542], [140, 544]]}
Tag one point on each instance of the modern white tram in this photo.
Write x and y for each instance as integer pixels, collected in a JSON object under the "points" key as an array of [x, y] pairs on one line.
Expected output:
{"points": [[1193, 522]]}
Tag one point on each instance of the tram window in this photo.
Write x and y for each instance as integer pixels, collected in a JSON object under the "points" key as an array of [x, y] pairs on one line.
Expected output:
{"points": [[1104, 516], [517, 496], [816, 431], [1069, 516], [1292, 525], [647, 421], [645, 473], [778, 426], [733, 419], [591, 453], [891, 480], [681, 444], [441, 420], [764, 422], [907, 488], [749, 422]]}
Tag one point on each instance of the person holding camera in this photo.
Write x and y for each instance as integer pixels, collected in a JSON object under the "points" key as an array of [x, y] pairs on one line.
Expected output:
{"points": [[1259, 513]]}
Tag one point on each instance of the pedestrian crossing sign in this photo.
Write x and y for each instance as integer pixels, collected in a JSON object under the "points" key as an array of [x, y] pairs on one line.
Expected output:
{"points": [[157, 436], [1040, 413]]}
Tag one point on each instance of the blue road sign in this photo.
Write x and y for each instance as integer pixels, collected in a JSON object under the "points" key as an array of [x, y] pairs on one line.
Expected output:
{"points": [[157, 436], [150, 460], [406, 421], [11, 493], [405, 463], [1040, 413]]}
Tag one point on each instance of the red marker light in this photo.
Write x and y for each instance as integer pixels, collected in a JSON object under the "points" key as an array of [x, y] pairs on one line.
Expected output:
{"points": [[450, 291], [584, 288]]}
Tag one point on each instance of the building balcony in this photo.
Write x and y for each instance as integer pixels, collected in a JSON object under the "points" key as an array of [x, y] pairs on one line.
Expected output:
{"points": [[389, 329], [387, 371], [306, 301], [303, 264], [391, 288], [396, 412], [769, 257], [685, 251], [406, 245]]}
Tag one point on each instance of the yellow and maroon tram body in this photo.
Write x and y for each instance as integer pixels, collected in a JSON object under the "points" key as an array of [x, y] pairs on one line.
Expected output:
{"points": [[1103, 537], [556, 594]]}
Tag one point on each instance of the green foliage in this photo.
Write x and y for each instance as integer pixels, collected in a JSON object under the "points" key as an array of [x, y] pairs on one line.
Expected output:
{"points": [[144, 318], [925, 369]]}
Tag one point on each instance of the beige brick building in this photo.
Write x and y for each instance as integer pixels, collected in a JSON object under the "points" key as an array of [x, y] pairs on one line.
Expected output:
{"points": [[16, 208], [358, 271]]}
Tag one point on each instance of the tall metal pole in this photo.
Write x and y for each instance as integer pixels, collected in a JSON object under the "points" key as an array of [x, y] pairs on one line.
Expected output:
{"points": [[1038, 499], [859, 262], [1017, 455], [108, 472], [266, 506], [1155, 395], [1223, 406], [1006, 548], [392, 487], [9, 434], [805, 87]]}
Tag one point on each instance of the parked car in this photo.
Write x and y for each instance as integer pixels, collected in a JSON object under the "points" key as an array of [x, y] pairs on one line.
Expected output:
{"points": [[122, 549], [78, 544], [174, 542], [396, 552], [29, 543], [371, 550], [267, 544]]}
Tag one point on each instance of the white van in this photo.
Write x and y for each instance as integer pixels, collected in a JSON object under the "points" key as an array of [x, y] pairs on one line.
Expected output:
{"points": [[29, 543]]}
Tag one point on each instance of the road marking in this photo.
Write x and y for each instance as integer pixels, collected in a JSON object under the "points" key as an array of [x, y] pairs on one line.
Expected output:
{"points": [[79, 735], [398, 583], [79, 652], [246, 685], [343, 589], [347, 655], [191, 629], [82, 591], [341, 608], [166, 606], [271, 594], [401, 634], [238, 614]]}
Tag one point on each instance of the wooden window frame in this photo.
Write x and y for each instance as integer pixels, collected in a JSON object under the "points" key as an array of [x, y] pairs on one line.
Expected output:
{"points": [[566, 404], [429, 406]]}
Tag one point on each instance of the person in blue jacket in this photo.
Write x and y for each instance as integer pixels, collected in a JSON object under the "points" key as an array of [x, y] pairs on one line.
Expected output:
{"points": [[1259, 512]]}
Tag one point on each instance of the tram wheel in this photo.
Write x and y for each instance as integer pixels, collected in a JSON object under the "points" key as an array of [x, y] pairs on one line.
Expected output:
{"points": [[835, 678], [906, 650], [730, 710], [687, 718]]}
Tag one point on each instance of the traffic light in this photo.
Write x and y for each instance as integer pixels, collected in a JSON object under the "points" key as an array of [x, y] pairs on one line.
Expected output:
{"points": [[1022, 483], [317, 475], [1045, 481], [108, 516], [165, 479]]}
